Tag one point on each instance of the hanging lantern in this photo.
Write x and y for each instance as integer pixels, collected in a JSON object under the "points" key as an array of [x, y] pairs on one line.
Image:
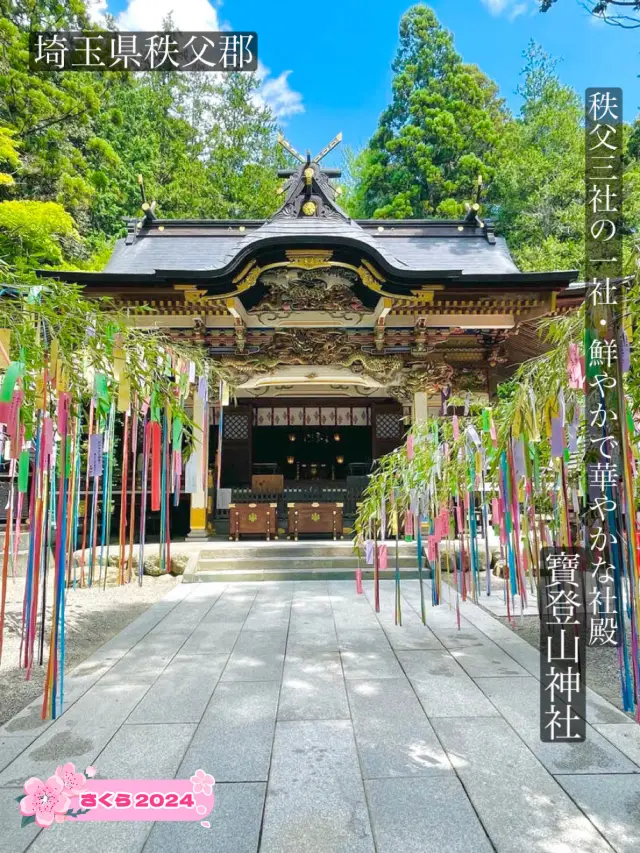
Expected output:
{"points": [[336, 436], [290, 460], [292, 436], [339, 459]]}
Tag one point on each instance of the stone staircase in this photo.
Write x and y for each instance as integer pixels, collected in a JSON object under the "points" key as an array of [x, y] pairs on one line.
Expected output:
{"points": [[304, 560]]}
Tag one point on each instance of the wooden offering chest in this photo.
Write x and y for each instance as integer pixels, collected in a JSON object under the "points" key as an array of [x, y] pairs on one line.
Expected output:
{"points": [[314, 518], [252, 519]]}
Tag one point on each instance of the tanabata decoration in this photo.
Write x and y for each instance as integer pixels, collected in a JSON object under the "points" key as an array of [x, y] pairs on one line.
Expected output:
{"points": [[513, 473], [88, 405]]}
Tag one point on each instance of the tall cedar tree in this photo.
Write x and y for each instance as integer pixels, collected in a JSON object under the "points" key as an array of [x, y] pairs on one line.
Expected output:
{"points": [[438, 134]]}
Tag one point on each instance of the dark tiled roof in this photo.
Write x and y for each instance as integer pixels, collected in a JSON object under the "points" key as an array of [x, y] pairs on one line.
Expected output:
{"points": [[211, 246], [469, 254], [147, 254]]}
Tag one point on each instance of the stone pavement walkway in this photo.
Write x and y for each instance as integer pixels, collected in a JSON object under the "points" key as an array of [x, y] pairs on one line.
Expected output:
{"points": [[328, 730]]}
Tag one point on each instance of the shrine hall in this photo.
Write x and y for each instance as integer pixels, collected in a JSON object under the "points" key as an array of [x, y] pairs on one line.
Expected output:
{"points": [[331, 336]]}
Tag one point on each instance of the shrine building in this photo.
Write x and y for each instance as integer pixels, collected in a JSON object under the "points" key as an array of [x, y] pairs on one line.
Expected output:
{"points": [[332, 334]]}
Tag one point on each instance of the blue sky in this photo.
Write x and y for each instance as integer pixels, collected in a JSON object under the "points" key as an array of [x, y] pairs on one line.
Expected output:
{"points": [[328, 64]]}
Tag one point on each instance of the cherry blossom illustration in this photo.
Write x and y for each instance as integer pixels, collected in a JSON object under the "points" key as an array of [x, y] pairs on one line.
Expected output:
{"points": [[47, 802], [44, 801], [202, 783], [73, 782]]}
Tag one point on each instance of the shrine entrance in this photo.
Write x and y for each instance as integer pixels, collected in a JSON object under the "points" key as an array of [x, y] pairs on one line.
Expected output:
{"points": [[282, 459], [312, 453]]}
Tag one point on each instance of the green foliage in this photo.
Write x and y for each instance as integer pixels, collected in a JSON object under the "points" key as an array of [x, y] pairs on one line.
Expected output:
{"points": [[205, 146], [537, 196], [90, 335], [438, 134], [31, 232], [9, 158]]}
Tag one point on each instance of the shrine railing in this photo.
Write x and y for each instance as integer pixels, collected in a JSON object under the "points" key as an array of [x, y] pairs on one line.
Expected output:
{"points": [[347, 495]]}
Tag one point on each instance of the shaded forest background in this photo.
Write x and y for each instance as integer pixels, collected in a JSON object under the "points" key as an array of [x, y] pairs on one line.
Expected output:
{"points": [[72, 145]]}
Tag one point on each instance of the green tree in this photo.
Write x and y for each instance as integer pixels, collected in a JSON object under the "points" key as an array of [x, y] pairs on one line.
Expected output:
{"points": [[437, 135], [33, 233], [537, 195], [49, 114], [206, 147]]}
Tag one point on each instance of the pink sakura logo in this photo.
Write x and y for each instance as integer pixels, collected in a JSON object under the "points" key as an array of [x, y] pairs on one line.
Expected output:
{"points": [[202, 783], [46, 803]]}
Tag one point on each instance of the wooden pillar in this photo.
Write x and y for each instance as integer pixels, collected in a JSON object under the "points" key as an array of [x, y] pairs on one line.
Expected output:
{"points": [[419, 410]]}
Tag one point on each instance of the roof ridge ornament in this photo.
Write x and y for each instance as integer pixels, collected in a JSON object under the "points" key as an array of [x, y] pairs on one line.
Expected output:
{"points": [[284, 142], [308, 192]]}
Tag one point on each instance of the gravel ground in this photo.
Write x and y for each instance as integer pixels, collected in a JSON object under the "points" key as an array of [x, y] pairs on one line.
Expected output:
{"points": [[93, 616]]}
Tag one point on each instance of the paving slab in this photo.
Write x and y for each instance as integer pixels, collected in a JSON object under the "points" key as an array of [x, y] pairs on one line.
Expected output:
{"points": [[313, 697], [234, 604], [423, 664], [523, 653], [321, 638], [182, 692], [145, 751], [28, 723], [599, 711], [411, 637], [625, 736], [487, 660], [235, 824], [14, 838], [212, 638], [612, 803], [362, 640], [393, 735], [109, 702], [452, 696], [519, 803], [60, 743], [235, 735], [518, 700], [304, 624], [370, 664], [315, 797], [108, 837], [269, 614], [303, 661], [294, 691], [148, 657], [11, 747], [256, 656], [426, 815]]}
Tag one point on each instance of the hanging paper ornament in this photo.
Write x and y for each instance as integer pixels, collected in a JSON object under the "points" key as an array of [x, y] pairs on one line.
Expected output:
{"points": [[410, 446]]}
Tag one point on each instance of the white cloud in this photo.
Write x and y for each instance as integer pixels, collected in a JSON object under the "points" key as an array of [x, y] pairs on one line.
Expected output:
{"points": [[194, 15], [511, 8], [187, 15], [276, 94], [97, 10]]}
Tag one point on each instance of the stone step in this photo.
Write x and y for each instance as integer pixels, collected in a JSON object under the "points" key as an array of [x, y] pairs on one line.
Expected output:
{"points": [[302, 563], [280, 574], [293, 550], [287, 560]]}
